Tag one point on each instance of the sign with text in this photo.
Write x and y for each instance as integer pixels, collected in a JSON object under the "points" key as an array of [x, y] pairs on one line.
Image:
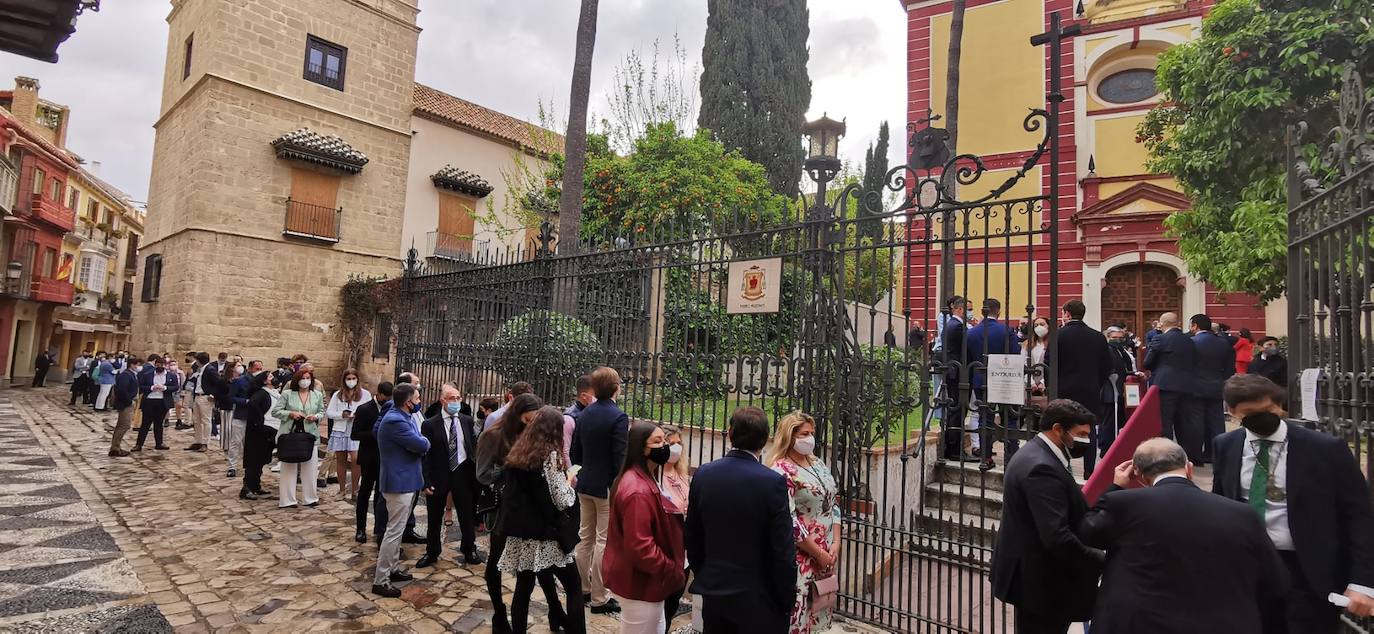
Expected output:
{"points": [[755, 286], [1007, 379], [1307, 381]]}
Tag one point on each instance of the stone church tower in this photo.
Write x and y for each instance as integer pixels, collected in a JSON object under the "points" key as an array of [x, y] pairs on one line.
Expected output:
{"points": [[279, 170]]}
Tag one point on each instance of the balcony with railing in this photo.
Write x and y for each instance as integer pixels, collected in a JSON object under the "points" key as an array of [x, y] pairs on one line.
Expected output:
{"points": [[312, 222], [52, 212], [453, 247], [44, 289]]}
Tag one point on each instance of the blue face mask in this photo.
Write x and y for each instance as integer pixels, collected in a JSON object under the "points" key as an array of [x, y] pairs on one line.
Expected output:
{"points": [[452, 408]]}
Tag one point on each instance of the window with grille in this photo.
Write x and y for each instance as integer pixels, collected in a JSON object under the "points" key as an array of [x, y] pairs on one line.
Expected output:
{"points": [[325, 62], [381, 336], [152, 277]]}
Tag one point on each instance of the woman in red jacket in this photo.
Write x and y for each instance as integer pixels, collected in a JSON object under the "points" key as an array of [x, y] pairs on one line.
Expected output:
{"points": [[1245, 350], [645, 559]]}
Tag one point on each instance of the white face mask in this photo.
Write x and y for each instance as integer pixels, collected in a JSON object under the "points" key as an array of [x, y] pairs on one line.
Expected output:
{"points": [[805, 446], [1042, 331], [351, 383], [305, 384], [674, 453]]}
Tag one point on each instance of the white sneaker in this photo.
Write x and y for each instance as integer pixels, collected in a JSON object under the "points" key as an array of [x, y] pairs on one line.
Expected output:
{"points": [[276, 468]]}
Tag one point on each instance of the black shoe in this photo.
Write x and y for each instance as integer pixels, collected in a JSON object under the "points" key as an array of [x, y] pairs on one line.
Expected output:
{"points": [[412, 538], [360, 537], [426, 561], [332, 480], [387, 590], [245, 494], [401, 575], [193, 447], [586, 598], [118, 453], [500, 625], [137, 448], [232, 473], [259, 492], [611, 606], [162, 448], [474, 557], [312, 504], [319, 484]]}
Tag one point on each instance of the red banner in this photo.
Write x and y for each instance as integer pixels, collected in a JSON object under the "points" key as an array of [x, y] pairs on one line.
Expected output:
{"points": [[1143, 425]]}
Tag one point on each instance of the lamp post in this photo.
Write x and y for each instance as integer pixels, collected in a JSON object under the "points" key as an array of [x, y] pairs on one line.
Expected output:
{"points": [[822, 157]]}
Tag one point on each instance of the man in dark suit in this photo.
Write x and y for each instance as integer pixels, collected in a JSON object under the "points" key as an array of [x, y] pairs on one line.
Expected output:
{"points": [[954, 355], [990, 336], [41, 365], [1179, 559], [598, 446], [1171, 360], [1038, 564], [1084, 365], [1315, 503], [450, 472], [1216, 362], [1114, 396], [1269, 363], [739, 536], [364, 431]]}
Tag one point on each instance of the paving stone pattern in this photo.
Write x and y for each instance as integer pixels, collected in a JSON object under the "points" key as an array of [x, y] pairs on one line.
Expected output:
{"points": [[161, 539]]}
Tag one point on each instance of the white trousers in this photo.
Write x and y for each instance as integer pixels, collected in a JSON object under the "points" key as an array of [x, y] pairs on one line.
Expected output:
{"points": [[286, 484], [201, 408], [641, 617], [234, 437], [103, 395]]}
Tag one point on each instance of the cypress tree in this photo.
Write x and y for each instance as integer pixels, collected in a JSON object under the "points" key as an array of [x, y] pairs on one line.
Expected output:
{"points": [[875, 172], [754, 86]]}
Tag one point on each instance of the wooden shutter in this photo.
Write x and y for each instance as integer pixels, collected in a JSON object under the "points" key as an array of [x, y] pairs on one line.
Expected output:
{"points": [[456, 224], [314, 204]]}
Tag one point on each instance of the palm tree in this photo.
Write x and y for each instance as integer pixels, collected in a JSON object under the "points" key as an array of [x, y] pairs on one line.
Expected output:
{"points": [[575, 143], [956, 50]]}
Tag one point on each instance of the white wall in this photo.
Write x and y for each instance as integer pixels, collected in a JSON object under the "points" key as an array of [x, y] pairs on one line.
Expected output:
{"points": [[434, 145]]}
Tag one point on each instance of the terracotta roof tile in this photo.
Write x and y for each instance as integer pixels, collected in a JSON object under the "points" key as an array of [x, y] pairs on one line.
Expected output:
{"points": [[445, 108]]}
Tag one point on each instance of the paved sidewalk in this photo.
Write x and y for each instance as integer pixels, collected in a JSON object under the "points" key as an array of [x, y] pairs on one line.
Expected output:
{"points": [[208, 560]]}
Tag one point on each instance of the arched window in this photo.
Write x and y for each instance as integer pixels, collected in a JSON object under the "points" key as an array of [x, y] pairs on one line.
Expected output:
{"points": [[1132, 85]]}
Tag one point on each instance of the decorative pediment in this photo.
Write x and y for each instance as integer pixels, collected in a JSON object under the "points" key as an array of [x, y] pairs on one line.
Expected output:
{"points": [[461, 181], [321, 149], [1141, 199]]}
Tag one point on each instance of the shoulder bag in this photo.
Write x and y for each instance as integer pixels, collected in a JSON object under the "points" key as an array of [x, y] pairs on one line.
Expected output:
{"points": [[821, 593], [296, 445]]}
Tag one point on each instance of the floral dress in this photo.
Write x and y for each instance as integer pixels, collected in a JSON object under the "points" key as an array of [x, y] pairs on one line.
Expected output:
{"points": [[533, 555], [815, 511]]}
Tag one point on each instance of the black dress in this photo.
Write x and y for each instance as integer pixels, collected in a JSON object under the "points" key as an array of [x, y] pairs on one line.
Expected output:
{"points": [[258, 439]]}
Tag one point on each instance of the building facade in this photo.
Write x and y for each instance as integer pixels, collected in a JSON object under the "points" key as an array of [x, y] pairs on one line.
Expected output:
{"points": [[279, 170], [32, 135], [1114, 253]]}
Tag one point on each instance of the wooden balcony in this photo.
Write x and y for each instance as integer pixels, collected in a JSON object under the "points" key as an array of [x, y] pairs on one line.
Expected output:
{"points": [[52, 212], [49, 290], [312, 222]]}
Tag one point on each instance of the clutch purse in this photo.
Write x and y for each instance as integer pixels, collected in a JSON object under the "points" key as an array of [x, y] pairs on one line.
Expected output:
{"points": [[822, 593]]}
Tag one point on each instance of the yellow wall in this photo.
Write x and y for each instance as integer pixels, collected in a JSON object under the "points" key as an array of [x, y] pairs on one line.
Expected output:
{"points": [[1115, 148], [1002, 75], [993, 220], [1012, 288]]}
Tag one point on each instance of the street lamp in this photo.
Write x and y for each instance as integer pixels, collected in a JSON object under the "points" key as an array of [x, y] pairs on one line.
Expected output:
{"points": [[823, 148]]}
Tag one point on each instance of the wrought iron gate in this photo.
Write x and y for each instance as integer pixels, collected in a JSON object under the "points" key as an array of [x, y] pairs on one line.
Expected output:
{"points": [[1331, 277], [851, 342]]}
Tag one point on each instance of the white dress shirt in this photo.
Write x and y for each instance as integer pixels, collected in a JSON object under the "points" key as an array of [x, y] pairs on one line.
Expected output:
{"points": [[159, 378], [1058, 453], [451, 424], [1275, 513]]}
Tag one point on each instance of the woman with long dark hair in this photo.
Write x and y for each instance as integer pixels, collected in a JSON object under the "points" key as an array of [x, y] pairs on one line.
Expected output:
{"points": [[493, 447], [540, 534], [645, 560]]}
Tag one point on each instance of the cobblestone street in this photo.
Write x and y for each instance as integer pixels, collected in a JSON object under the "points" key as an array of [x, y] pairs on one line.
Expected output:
{"points": [[160, 541]]}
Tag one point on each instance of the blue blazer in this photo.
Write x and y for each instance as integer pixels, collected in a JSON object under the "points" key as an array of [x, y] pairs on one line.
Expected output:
{"points": [[125, 389], [739, 531], [598, 444], [1216, 362], [107, 374], [1172, 362], [145, 383], [996, 338], [402, 450]]}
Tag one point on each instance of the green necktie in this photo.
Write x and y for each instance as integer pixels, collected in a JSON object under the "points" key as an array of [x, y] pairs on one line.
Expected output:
{"points": [[1259, 480]]}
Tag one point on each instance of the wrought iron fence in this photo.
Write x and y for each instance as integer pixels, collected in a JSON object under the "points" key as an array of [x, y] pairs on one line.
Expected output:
{"points": [[1331, 278]]}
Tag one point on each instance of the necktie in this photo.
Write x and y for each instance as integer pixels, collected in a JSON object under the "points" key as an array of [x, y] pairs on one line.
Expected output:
{"points": [[453, 459], [1259, 480]]}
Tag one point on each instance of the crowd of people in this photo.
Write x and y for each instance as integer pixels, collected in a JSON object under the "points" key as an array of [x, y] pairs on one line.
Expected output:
{"points": [[1282, 543], [603, 514]]}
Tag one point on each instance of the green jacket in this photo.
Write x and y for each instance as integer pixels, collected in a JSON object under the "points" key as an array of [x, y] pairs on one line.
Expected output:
{"points": [[291, 402]]}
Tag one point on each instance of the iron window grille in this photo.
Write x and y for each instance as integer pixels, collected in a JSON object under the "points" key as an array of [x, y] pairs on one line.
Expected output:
{"points": [[325, 62]]}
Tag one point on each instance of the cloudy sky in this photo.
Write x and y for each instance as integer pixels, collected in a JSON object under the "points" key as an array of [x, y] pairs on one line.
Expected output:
{"points": [[506, 55]]}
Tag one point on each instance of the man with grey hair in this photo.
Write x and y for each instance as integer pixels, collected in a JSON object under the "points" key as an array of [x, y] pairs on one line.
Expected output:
{"points": [[1179, 559]]}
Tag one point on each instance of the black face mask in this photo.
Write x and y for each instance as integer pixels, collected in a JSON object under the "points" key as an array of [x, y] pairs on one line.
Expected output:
{"points": [[660, 455], [1262, 423], [1077, 449]]}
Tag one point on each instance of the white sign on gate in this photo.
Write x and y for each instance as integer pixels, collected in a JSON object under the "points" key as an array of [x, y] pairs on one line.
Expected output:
{"points": [[755, 286], [1007, 379]]}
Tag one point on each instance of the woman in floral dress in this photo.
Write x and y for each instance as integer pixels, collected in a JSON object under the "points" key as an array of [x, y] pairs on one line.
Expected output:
{"points": [[816, 513]]}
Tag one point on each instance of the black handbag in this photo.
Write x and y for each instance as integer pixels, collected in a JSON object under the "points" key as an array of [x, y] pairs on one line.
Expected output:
{"points": [[568, 525], [297, 445]]}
